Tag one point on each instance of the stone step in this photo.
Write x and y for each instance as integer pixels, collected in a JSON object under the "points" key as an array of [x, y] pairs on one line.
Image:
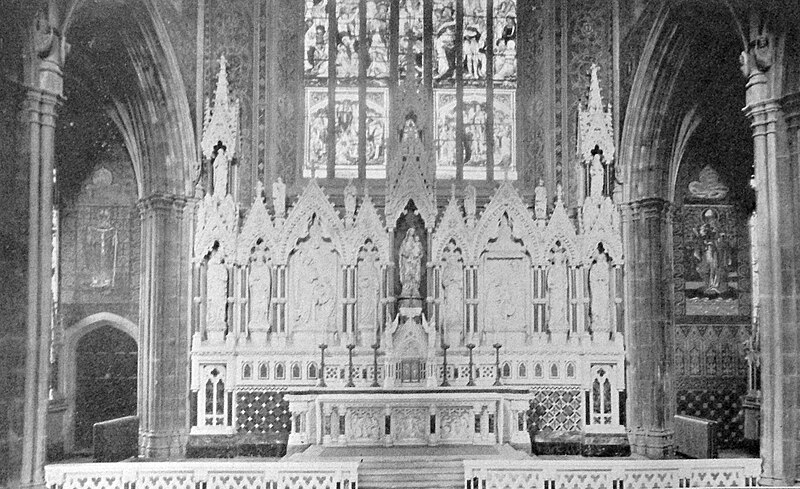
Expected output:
{"points": [[372, 474], [403, 473]]}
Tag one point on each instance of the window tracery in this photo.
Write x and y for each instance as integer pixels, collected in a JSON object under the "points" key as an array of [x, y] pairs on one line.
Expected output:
{"points": [[356, 54]]}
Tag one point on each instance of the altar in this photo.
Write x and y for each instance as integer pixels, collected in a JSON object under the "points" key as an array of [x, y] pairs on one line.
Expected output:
{"points": [[409, 417]]}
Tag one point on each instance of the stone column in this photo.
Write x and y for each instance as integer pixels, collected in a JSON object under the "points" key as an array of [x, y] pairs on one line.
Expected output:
{"points": [[778, 229], [164, 333], [41, 107], [648, 298]]}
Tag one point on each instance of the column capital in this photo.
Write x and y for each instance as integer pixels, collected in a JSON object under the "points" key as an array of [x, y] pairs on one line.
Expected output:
{"points": [[646, 209], [162, 202]]}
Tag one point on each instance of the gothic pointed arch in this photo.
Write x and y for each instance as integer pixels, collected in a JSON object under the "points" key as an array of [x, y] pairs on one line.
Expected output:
{"points": [[257, 228], [451, 227], [368, 226], [313, 203], [506, 201]]}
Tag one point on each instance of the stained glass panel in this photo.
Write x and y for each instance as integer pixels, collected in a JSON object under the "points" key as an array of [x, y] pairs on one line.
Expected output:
{"points": [[315, 40], [377, 13], [444, 42], [504, 137], [505, 42], [316, 131], [474, 108], [474, 47], [445, 133], [377, 121], [347, 23], [346, 133], [410, 35]]}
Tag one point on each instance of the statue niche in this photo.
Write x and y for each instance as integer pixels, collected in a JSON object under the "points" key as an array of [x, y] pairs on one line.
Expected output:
{"points": [[599, 278], [557, 276], [216, 295], [410, 255], [452, 280], [313, 266], [259, 284], [369, 279]]}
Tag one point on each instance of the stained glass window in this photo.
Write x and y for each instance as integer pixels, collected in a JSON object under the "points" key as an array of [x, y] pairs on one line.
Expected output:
{"points": [[357, 54]]}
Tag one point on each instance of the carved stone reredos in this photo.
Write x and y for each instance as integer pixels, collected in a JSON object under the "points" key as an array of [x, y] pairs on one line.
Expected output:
{"points": [[217, 222], [506, 201], [560, 228], [257, 226], [368, 225], [450, 227], [222, 123], [601, 224], [595, 123], [312, 202]]}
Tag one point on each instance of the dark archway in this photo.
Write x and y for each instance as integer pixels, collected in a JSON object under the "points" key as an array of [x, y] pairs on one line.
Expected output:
{"points": [[105, 384]]}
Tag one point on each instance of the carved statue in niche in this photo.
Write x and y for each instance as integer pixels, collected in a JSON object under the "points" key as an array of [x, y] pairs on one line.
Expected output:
{"points": [[452, 292], [216, 291], [599, 275], [102, 251], [712, 254], [410, 264], [557, 291], [259, 282], [315, 290], [220, 172], [279, 197], [368, 286], [597, 174]]}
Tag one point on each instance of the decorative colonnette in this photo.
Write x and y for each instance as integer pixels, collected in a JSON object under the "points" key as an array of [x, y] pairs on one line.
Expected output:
{"points": [[608, 474], [222, 474]]}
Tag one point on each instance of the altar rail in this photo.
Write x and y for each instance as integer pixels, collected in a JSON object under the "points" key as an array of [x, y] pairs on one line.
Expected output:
{"points": [[209, 474], [611, 474]]}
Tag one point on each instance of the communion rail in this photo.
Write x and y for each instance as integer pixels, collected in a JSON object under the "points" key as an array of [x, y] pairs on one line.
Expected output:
{"points": [[206, 474], [611, 473]]}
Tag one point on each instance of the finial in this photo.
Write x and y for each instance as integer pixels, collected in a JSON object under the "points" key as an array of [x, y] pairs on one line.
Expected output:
{"points": [[259, 197], [559, 194]]}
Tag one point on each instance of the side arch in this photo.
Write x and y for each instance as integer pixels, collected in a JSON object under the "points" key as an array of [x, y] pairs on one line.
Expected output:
{"points": [[67, 368]]}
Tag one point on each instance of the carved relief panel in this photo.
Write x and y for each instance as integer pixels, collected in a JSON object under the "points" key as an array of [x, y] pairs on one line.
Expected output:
{"points": [[313, 270]]}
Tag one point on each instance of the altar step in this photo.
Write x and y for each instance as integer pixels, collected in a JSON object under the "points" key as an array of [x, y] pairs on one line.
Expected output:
{"points": [[411, 472]]}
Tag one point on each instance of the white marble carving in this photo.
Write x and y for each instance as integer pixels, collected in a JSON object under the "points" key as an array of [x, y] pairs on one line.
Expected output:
{"points": [[455, 424], [708, 186], [221, 124], [410, 425], [452, 294], [259, 283], [557, 293], [540, 200], [216, 296], [599, 275], [279, 197], [369, 279], [364, 425], [315, 271], [410, 264]]}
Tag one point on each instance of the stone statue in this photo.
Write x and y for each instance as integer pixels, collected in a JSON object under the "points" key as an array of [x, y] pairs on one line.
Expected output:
{"points": [[469, 202], [598, 287], [368, 287], [259, 284], [216, 292], [279, 197], [711, 252], [453, 293], [540, 200], [557, 292], [410, 264], [350, 200], [221, 172], [597, 176]]}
